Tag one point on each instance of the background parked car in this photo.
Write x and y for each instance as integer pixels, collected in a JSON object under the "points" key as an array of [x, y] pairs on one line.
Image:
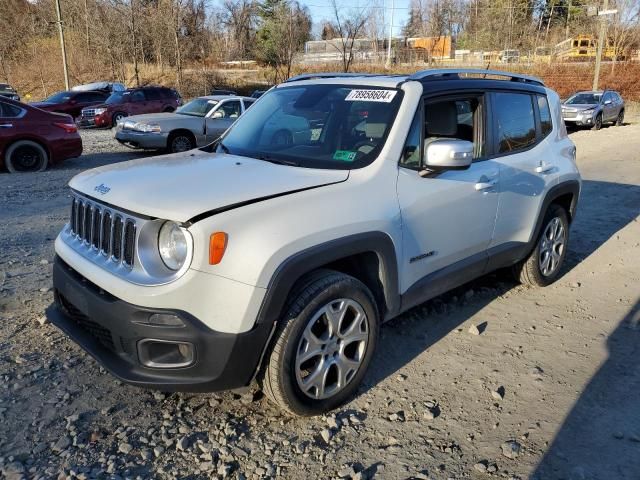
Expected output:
{"points": [[108, 87], [258, 93], [31, 139], [195, 124], [71, 102], [8, 91], [593, 108], [134, 101]]}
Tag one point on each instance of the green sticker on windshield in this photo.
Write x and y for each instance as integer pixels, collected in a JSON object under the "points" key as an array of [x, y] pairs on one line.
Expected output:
{"points": [[345, 155]]}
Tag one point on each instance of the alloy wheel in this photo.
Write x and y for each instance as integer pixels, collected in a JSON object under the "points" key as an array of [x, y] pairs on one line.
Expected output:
{"points": [[552, 245], [332, 348]]}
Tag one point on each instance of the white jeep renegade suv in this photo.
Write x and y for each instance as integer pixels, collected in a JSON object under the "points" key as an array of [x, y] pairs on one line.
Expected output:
{"points": [[277, 257]]}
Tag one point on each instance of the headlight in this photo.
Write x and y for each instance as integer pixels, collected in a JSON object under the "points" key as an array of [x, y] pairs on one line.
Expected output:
{"points": [[172, 245], [99, 111], [147, 128], [588, 112]]}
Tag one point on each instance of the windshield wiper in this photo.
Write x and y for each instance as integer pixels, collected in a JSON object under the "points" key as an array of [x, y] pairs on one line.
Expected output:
{"points": [[278, 161]]}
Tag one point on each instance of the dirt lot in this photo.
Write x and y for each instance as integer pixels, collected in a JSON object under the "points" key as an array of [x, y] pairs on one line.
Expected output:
{"points": [[549, 390]]}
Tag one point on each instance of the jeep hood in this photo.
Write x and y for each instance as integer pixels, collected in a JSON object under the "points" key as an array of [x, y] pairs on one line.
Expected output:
{"points": [[187, 186]]}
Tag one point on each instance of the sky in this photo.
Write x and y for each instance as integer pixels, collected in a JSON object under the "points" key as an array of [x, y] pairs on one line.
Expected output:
{"points": [[323, 10]]}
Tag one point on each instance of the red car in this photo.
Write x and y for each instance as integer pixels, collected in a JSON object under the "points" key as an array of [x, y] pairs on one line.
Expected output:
{"points": [[134, 101], [31, 139], [71, 103]]}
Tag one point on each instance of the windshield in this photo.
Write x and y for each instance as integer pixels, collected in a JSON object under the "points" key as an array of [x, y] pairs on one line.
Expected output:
{"points": [[584, 99], [197, 108], [315, 126], [59, 97], [117, 97]]}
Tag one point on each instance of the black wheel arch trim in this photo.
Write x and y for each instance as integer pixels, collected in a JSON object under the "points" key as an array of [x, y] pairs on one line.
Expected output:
{"points": [[555, 192], [310, 259]]}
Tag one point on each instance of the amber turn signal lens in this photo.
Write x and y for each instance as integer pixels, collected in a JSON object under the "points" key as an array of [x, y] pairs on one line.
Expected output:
{"points": [[217, 246]]}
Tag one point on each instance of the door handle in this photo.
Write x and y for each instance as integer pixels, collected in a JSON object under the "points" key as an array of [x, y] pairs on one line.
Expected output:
{"points": [[544, 168], [481, 186], [6, 125]]}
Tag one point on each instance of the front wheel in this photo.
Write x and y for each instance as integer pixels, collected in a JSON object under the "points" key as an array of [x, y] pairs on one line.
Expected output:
{"points": [[542, 266], [117, 117], [620, 119], [26, 156], [597, 123], [181, 142], [323, 345]]}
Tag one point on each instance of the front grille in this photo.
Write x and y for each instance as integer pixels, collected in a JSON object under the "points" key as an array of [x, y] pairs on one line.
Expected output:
{"points": [[97, 331], [88, 112], [103, 230]]}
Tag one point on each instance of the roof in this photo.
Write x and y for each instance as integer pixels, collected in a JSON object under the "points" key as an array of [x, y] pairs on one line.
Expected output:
{"points": [[392, 80]]}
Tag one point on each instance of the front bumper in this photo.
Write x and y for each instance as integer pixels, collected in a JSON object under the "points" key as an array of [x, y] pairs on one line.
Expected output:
{"points": [[111, 330], [155, 141], [579, 119]]}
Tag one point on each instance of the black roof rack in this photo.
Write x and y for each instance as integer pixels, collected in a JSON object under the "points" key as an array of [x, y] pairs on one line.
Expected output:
{"points": [[440, 73]]}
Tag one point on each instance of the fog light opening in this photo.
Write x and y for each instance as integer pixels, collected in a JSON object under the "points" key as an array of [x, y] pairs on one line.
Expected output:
{"points": [[165, 320], [165, 353]]}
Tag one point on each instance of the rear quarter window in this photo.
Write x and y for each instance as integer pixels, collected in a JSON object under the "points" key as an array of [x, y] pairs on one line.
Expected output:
{"points": [[545, 116]]}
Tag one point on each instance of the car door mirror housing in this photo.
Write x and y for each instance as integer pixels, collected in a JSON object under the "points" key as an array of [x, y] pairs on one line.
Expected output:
{"points": [[217, 114], [608, 102], [448, 154]]}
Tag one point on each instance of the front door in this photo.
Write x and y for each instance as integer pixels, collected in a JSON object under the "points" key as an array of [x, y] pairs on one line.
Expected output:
{"points": [[447, 217], [224, 115]]}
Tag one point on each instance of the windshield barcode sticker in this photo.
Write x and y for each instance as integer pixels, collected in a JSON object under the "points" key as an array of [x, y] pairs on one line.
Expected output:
{"points": [[384, 96]]}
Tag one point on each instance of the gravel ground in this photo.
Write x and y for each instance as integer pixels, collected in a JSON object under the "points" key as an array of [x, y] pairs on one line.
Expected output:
{"points": [[547, 387]]}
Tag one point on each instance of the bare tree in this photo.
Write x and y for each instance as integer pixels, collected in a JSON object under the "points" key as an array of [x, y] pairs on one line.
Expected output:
{"points": [[349, 27]]}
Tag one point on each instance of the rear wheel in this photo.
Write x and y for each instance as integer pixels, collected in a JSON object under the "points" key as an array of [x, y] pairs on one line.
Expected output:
{"points": [[620, 119], [542, 266], [26, 156], [181, 142], [323, 345]]}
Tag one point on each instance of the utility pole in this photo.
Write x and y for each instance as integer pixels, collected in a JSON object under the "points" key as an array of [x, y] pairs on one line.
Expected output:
{"points": [[62, 47], [601, 39], [390, 35]]}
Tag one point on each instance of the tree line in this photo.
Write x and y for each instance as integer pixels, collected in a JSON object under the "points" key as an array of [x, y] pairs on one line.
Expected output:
{"points": [[118, 38]]}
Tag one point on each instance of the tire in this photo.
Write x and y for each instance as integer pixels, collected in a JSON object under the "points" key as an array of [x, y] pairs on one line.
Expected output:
{"points": [[620, 119], [551, 244], [117, 117], [597, 124], [26, 156], [168, 110], [340, 358], [180, 142]]}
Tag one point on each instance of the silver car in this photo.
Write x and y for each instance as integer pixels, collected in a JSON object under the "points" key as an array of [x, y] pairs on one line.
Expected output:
{"points": [[197, 123], [594, 108]]}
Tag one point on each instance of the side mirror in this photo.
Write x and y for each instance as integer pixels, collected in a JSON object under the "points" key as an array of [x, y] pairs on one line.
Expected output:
{"points": [[217, 114], [448, 154], [608, 102]]}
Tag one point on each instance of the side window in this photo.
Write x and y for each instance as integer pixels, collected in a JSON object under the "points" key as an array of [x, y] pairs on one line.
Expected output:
{"points": [[248, 103], [411, 151], [459, 118], [231, 109], [9, 111], [152, 94], [545, 116], [514, 121], [97, 97], [138, 96]]}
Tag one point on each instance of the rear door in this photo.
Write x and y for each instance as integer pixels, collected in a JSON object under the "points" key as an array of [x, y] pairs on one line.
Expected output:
{"points": [[10, 123], [522, 125]]}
